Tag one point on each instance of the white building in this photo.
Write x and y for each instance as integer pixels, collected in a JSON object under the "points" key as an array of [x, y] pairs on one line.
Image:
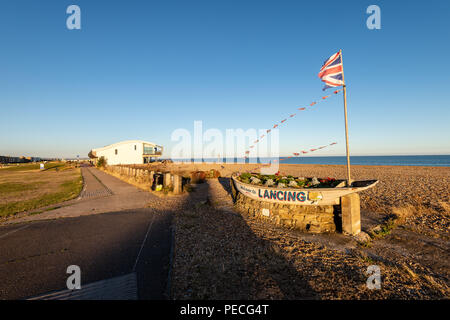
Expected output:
{"points": [[128, 152]]}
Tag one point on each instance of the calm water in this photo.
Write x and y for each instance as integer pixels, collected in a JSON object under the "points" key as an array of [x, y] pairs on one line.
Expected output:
{"points": [[428, 161]]}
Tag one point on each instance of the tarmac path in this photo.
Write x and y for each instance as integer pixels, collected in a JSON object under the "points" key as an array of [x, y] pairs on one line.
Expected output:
{"points": [[101, 193], [123, 253]]}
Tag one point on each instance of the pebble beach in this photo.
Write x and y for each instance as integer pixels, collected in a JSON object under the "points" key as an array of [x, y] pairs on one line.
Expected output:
{"points": [[425, 187], [224, 255]]}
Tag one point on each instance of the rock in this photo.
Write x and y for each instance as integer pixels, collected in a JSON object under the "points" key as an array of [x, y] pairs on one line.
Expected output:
{"points": [[362, 237], [375, 229]]}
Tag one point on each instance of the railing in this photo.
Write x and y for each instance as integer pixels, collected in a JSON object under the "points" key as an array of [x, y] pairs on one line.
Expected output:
{"points": [[153, 153]]}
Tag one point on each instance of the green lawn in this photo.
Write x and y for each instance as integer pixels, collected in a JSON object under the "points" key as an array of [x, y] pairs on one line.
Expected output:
{"points": [[33, 166], [57, 193], [9, 187]]}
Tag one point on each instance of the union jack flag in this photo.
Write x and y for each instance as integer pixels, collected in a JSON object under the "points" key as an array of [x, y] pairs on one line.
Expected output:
{"points": [[331, 71]]}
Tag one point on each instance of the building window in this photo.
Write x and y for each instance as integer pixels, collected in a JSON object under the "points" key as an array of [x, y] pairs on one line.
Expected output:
{"points": [[148, 149], [116, 151], [134, 147]]}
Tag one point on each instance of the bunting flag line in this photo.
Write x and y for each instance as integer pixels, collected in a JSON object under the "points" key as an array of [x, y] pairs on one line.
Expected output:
{"points": [[305, 152], [283, 121], [296, 154]]}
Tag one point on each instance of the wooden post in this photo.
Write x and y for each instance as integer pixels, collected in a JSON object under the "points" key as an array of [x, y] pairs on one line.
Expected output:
{"points": [[349, 181], [351, 216], [151, 178], [177, 184], [167, 179]]}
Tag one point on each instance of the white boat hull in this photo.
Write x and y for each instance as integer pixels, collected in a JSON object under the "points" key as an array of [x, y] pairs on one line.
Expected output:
{"points": [[300, 196]]}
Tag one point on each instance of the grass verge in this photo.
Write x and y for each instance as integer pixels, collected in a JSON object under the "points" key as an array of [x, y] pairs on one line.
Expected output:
{"points": [[9, 187], [34, 166], [68, 190]]}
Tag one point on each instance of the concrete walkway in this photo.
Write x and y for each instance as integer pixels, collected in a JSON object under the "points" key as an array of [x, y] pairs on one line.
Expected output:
{"points": [[34, 257], [93, 187]]}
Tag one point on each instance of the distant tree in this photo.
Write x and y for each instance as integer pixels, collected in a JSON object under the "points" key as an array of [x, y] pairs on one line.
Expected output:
{"points": [[101, 162]]}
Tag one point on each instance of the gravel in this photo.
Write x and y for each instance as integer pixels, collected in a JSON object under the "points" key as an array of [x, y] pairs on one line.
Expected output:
{"points": [[220, 254]]}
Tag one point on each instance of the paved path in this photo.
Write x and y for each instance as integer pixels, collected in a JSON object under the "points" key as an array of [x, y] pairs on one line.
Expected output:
{"points": [[101, 193], [219, 194], [93, 186], [131, 241]]}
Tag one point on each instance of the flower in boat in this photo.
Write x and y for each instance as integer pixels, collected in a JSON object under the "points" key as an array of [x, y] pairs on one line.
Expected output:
{"points": [[281, 185], [255, 180], [315, 181], [269, 183], [293, 183]]}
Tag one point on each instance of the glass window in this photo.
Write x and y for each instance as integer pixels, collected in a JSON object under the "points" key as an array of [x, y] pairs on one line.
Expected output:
{"points": [[148, 149], [116, 151]]}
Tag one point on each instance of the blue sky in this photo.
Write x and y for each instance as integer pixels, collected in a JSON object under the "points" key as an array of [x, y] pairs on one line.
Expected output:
{"points": [[141, 69]]}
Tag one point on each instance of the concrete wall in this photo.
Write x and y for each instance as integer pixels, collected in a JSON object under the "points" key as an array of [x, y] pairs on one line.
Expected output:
{"points": [[126, 154]]}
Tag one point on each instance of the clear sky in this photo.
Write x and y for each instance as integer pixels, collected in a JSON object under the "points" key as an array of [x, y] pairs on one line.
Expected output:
{"points": [[141, 69]]}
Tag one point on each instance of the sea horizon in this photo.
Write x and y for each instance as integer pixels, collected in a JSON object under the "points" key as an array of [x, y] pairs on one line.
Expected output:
{"points": [[390, 160]]}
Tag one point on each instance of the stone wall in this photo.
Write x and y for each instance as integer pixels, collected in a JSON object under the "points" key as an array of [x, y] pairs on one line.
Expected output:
{"points": [[173, 182], [316, 219]]}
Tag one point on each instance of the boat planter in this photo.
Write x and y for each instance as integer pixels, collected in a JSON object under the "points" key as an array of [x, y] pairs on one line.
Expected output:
{"points": [[301, 196], [312, 209]]}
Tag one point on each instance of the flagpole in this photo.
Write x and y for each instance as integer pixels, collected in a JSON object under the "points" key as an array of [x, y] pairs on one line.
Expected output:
{"points": [[349, 181]]}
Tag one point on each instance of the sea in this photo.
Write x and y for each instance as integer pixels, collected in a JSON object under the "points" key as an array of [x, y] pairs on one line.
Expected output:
{"points": [[409, 160]]}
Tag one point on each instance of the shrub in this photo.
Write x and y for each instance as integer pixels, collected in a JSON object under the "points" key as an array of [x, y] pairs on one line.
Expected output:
{"points": [[212, 174], [198, 177], [101, 162]]}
